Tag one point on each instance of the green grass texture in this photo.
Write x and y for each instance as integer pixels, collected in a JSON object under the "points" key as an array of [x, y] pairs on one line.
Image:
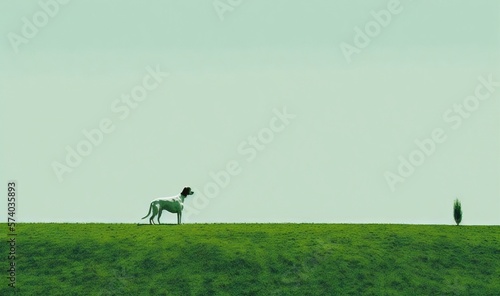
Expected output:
{"points": [[253, 259]]}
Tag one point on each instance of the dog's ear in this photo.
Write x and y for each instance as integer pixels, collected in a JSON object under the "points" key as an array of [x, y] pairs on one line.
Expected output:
{"points": [[186, 191]]}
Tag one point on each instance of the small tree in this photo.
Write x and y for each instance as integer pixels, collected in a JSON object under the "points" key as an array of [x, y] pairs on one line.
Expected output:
{"points": [[457, 211]]}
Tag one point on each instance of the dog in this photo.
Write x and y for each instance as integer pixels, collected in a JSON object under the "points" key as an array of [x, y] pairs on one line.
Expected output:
{"points": [[173, 204]]}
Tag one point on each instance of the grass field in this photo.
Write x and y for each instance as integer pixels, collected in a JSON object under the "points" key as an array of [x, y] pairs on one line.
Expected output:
{"points": [[255, 259]]}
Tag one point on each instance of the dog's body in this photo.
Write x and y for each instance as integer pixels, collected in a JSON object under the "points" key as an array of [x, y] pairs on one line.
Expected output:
{"points": [[174, 204]]}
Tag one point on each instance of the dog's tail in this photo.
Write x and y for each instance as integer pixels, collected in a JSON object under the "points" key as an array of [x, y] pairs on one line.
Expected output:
{"points": [[150, 206]]}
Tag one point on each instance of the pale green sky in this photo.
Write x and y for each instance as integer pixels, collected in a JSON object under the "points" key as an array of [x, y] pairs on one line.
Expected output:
{"points": [[226, 80]]}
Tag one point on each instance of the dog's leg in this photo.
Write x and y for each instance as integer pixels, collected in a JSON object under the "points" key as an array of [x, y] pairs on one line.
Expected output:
{"points": [[179, 218], [155, 212], [159, 215]]}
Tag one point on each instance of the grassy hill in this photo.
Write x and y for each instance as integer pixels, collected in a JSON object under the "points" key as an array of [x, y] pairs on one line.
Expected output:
{"points": [[255, 259]]}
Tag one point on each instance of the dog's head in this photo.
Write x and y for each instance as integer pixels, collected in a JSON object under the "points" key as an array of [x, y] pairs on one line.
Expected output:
{"points": [[187, 191]]}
